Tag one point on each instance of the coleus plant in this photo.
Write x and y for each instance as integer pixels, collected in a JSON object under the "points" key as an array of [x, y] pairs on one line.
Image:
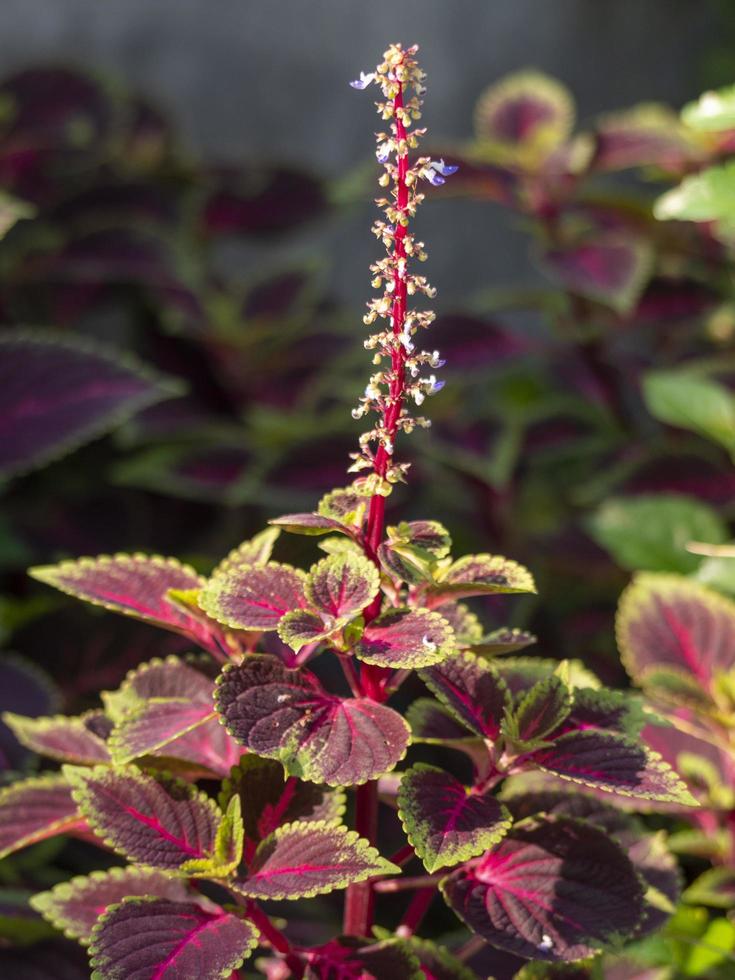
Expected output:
{"points": [[222, 778]]}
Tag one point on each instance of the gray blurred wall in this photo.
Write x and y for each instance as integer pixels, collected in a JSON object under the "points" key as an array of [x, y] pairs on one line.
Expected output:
{"points": [[267, 79]]}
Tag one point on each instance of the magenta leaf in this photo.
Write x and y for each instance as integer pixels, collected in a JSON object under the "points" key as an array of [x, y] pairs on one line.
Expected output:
{"points": [[134, 585], [34, 809], [615, 711], [525, 114], [436, 962], [669, 626], [286, 715], [609, 269], [270, 798], [74, 906], [341, 586], [155, 725], [300, 860], [254, 597], [473, 691], [159, 823], [444, 821], [553, 889], [609, 761], [406, 638], [156, 679], [164, 940], [60, 737], [648, 135], [431, 721], [350, 958], [60, 391], [481, 575]]}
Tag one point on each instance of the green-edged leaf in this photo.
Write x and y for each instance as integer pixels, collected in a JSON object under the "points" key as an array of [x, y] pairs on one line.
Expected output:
{"points": [[444, 821], [406, 638], [12, 210], [155, 724], [310, 524], [74, 906], [507, 639], [467, 627], [524, 117], [157, 938], [481, 575], [34, 809], [157, 679], [704, 196], [347, 506], [341, 586], [300, 860], [540, 712], [285, 714], [712, 112], [407, 564], [691, 402], [674, 624], [228, 846], [59, 391], [612, 762], [254, 551], [473, 691], [652, 532], [60, 737], [134, 585], [300, 627], [715, 887], [270, 798], [431, 721], [610, 268], [647, 135], [159, 823], [429, 536], [254, 597]]}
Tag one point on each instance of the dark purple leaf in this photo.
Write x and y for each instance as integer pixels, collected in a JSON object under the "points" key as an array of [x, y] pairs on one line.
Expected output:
{"points": [[553, 889], [254, 597], [58, 392], [285, 714], [609, 269], [473, 690], [525, 111], [59, 737], [34, 809], [444, 821], [164, 940]]}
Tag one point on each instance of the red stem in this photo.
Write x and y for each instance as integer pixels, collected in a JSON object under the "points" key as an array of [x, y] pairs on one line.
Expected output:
{"points": [[274, 937], [417, 909], [360, 899]]}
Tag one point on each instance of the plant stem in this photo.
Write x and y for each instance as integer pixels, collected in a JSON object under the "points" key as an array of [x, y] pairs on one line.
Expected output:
{"points": [[406, 884], [274, 937], [360, 899], [417, 909]]}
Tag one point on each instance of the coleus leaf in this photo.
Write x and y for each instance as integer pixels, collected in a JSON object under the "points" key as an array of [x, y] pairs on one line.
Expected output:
{"points": [[60, 391], [269, 798], [142, 937], [254, 551], [406, 638], [521, 673], [611, 269], [160, 823], [481, 575], [228, 848], [467, 627], [612, 762], [285, 714], [644, 136], [664, 621], [616, 711], [506, 639], [74, 906], [540, 712], [715, 887], [254, 597], [156, 724], [158, 679], [346, 505], [60, 737], [300, 860], [341, 586], [134, 585], [407, 564], [310, 524], [431, 721], [524, 116], [351, 958], [473, 691], [437, 963], [444, 821], [430, 536], [693, 402], [300, 627], [553, 889], [34, 809]]}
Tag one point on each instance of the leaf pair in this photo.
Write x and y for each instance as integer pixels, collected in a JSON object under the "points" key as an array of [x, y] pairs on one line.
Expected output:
{"points": [[584, 738]]}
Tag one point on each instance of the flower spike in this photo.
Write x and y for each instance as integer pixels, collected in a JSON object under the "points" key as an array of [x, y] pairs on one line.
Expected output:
{"points": [[391, 389]]}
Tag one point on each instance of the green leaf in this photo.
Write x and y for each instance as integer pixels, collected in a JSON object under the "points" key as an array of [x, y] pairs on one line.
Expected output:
{"points": [[712, 112], [706, 196], [651, 532], [715, 887], [692, 402], [444, 821], [228, 846]]}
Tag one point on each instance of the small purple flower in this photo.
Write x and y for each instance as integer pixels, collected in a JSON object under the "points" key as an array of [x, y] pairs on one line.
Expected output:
{"points": [[445, 169], [434, 178], [364, 80], [383, 153]]}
